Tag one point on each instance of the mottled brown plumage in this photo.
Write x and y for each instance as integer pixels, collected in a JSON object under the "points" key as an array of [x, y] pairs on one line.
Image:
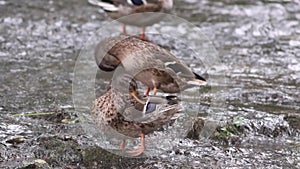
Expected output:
{"points": [[149, 63], [108, 110]]}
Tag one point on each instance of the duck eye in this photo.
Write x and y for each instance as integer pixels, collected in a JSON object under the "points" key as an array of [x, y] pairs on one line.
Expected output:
{"points": [[150, 107], [137, 2]]}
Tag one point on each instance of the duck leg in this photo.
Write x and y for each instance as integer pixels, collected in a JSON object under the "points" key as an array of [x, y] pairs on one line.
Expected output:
{"points": [[141, 149], [147, 91], [154, 91], [122, 145], [143, 36], [124, 29]]}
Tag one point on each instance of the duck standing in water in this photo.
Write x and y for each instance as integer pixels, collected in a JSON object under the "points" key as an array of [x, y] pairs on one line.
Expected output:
{"points": [[108, 110], [117, 9], [148, 63]]}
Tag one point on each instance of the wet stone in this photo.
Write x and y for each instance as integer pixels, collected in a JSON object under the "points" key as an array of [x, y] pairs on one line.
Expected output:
{"points": [[293, 120]]}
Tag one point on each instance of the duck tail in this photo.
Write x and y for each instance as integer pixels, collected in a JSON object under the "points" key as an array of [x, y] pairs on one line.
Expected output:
{"points": [[165, 115], [199, 77], [198, 81]]}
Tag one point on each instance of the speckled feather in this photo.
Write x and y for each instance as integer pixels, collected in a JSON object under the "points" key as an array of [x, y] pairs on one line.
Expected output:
{"points": [[148, 62], [107, 110]]}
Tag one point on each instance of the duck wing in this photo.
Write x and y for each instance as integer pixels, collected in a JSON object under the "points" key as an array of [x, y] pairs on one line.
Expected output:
{"points": [[137, 55]]}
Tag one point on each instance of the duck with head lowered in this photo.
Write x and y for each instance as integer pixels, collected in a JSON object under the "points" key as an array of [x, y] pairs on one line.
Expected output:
{"points": [[146, 12], [148, 63], [108, 110]]}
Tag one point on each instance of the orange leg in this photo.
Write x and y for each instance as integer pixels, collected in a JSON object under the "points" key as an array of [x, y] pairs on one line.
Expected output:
{"points": [[154, 91], [122, 145], [147, 91], [124, 29], [141, 149], [132, 94], [143, 36]]}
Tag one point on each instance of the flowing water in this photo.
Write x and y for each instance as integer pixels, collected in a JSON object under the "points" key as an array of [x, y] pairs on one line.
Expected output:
{"points": [[250, 56]]}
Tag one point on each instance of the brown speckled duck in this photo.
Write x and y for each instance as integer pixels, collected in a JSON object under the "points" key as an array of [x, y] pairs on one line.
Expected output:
{"points": [[117, 9], [149, 63], [108, 110]]}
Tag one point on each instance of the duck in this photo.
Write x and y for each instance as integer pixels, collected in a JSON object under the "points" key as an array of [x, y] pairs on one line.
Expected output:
{"points": [[148, 63], [146, 12], [108, 111]]}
